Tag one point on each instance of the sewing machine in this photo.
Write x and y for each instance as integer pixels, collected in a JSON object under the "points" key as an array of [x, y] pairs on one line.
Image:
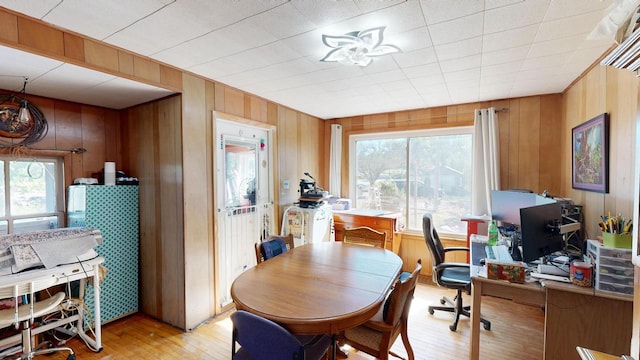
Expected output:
{"points": [[62, 275]]}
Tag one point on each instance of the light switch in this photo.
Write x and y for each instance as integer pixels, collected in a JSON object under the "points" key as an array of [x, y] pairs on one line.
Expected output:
{"points": [[285, 184]]}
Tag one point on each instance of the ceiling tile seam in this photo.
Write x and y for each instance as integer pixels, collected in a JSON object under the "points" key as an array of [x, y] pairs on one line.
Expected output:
{"points": [[214, 30], [137, 20], [272, 42], [52, 8], [484, 18], [435, 53], [451, 19], [47, 72]]}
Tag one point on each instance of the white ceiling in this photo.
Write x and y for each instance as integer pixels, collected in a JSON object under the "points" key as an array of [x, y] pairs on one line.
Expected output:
{"points": [[453, 51]]}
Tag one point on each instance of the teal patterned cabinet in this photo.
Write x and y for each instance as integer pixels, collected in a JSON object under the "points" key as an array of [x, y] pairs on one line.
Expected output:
{"points": [[114, 210]]}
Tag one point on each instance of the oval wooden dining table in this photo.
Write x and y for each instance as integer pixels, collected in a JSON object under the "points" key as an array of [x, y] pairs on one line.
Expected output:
{"points": [[318, 288]]}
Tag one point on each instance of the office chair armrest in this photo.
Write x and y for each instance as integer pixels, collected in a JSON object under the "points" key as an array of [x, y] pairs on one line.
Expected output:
{"points": [[456, 248], [446, 265]]}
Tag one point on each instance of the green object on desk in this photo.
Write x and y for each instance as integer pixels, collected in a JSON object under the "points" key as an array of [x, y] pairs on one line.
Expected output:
{"points": [[620, 241], [493, 234]]}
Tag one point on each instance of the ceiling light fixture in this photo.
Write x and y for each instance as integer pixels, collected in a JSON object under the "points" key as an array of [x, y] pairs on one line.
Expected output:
{"points": [[22, 123], [24, 117], [358, 47]]}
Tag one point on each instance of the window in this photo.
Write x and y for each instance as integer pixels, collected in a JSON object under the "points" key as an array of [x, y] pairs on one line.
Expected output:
{"points": [[413, 173], [30, 196]]}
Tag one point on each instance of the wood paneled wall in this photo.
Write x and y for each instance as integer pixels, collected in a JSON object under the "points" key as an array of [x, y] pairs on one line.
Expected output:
{"points": [[529, 137], [170, 143], [167, 144], [606, 89], [72, 125], [35, 36], [152, 139]]}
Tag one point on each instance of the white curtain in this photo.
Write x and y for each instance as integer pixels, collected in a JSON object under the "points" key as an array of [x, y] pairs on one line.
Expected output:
{"points": [[486, 160], [335, 161]]}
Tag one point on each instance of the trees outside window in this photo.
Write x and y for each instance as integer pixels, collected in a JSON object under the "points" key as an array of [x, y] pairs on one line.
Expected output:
{"points": [[413, 173], [30, 194]]}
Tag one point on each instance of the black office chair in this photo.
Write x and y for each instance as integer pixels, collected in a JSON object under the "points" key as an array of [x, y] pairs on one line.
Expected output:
{"points": [[449, 275]]}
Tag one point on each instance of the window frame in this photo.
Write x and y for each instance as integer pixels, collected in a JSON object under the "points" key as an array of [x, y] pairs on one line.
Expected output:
{"points": [[59, 211], [406, 134]]}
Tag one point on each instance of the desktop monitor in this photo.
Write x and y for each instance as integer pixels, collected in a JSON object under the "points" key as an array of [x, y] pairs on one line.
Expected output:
{"points": [[506, 204], [537, 230]]}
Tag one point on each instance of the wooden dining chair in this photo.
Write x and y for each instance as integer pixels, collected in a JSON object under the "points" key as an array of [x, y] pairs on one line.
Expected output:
{"points": [[376, 336], [274, 245], [364, 235]]}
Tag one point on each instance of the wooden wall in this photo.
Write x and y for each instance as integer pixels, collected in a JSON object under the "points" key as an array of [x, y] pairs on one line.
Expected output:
{"points": [[152, 141], [529, 139], [170, 143], [605, 89], [72, 125], [529, 147], [35, 36], [167, 143]]}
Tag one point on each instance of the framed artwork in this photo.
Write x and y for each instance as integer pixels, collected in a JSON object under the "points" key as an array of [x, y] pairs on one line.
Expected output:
{"points": [[590, 158]]}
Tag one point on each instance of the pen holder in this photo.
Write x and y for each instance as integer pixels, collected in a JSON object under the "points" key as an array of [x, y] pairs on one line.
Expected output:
{"points": [[620, 241]]}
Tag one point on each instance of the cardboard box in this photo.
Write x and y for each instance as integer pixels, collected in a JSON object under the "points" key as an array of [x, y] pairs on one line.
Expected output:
{"points": [[512, 272]]}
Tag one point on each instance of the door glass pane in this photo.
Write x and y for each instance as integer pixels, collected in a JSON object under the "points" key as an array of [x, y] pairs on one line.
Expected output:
{"points": [[240, 160], [32, 185]]}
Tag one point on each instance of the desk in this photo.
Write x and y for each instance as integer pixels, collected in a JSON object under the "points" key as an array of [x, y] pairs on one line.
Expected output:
{"points": [[383, 221], [63, 274], [318, 288], [472, 226], [575, 316]]}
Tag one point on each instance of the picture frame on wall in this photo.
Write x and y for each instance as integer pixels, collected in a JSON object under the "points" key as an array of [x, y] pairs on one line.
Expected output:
{"points": [[590, 155]]}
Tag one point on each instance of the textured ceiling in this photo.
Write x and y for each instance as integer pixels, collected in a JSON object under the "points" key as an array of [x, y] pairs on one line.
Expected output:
{"points": [[453, 51]]}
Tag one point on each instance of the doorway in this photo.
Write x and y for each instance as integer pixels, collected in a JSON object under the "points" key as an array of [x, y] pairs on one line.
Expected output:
{"points": [[244, 198]]}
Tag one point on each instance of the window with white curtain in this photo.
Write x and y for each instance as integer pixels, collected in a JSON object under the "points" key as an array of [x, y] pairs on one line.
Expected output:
{"points": [[31, 194], [413, 172]]}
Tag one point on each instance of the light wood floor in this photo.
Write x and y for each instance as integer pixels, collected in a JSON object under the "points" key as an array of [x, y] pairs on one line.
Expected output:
{"points": [[516, 333]]}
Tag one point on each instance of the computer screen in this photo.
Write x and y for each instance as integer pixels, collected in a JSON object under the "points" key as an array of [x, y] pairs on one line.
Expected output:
{"points": [[506, 204], [536, 227]]}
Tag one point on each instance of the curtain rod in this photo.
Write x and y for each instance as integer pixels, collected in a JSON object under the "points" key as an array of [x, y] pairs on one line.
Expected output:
{"points": [[430, 117], [78, 150]]}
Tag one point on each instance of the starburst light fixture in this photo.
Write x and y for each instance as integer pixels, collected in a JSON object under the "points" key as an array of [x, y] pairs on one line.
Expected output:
{"points": [[358, 47]]}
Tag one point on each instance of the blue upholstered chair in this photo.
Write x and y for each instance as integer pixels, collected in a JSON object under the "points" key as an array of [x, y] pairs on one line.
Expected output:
{"points": [[273, 246], [263, 339]]}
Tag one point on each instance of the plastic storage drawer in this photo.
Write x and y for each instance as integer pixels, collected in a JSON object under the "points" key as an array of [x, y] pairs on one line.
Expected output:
{"points": [[613, 268]]}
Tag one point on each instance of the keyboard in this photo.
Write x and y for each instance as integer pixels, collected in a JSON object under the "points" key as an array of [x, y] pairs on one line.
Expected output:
{"points": [[499, 253], [550, 277]]}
